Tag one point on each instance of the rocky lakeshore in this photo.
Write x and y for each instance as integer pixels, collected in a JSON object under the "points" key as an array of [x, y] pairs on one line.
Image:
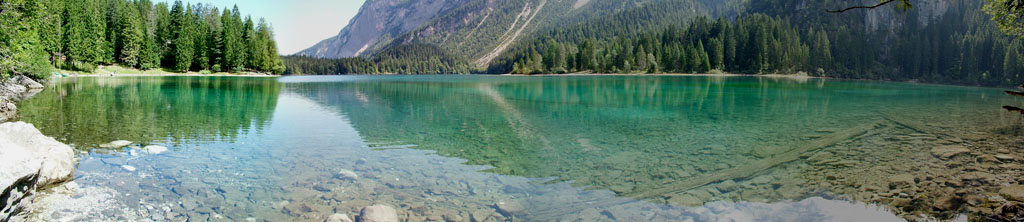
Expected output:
{"points": [[16, 89], [31, 161]]}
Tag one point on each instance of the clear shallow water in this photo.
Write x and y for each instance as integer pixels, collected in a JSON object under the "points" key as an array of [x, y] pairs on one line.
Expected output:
{"points": [[547, 148]]}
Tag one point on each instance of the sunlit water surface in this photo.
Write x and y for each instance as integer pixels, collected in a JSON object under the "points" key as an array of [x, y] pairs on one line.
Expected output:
{"points": [[487, 148]]}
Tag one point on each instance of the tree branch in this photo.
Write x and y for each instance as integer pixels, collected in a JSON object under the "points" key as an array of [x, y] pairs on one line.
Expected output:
{"points": [[861, 7]]}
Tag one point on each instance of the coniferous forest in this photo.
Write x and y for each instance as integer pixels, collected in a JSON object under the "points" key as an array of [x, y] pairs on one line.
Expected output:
{"points": [[963, 46], [78, 35], [404, 59]]}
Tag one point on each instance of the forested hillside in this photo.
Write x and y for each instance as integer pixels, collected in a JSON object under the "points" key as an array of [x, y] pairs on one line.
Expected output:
{"points": [[38, 35], [402, 59], [940, 41]]}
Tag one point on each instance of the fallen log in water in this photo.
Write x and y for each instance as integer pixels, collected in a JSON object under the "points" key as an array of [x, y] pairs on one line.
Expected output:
{"points": [[741, 172]]}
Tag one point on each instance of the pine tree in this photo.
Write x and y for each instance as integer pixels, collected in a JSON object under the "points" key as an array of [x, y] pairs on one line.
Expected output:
{"points": [[1012, 61], [215, 42], [50, 28], [164, 35], [821, 53], [131, 37], [234, 48], [703, 66], [252, 48], [717, 54]]}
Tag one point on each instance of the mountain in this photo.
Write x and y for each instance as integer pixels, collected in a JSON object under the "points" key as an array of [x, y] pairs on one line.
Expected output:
{"points": [[379, 20], [479, 30]]}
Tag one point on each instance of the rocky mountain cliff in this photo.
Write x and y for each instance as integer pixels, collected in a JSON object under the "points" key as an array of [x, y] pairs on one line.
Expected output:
{"points": [[379, 20], [478, 30]]}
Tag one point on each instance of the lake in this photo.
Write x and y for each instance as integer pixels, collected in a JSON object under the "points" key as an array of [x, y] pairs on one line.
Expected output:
{"points": [[509, 148]]}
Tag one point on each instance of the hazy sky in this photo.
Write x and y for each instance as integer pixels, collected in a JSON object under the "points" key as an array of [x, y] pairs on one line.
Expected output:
{"points": [[298, 24]]}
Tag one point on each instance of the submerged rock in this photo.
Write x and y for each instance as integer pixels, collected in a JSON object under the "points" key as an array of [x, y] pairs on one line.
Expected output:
{"points": [[154, 149], [1013, 192], [116, 144], [950, 202], [901, 180], [378, 213], [1005, 157], [338, 218], [347, 174], [947, 151], [128, 168], [509, 208], [28, 160]]}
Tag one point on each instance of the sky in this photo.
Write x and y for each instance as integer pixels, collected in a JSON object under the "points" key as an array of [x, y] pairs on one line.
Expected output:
{"points": [[298, 24]]}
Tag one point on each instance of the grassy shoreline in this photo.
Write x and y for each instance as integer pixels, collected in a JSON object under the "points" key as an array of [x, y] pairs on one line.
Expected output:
{"points": [[107, 71]]}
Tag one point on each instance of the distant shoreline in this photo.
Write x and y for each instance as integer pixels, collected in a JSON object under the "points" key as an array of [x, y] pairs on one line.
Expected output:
{"points": [[677, 74], [166, 75], [116, 71]]}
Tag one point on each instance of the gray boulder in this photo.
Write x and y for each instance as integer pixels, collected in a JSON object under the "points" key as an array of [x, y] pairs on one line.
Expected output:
{"points": [[57, 158], [378, 213], [27, 82], [12, 88], [29, 160]]}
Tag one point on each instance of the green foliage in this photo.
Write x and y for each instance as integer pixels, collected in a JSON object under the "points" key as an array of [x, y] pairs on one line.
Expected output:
{"points": [[81, 34], [1008, 14], [22, 51]]}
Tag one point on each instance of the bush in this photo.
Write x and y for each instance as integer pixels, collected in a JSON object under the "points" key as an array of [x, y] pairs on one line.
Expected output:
{"points": [[205, 71]]}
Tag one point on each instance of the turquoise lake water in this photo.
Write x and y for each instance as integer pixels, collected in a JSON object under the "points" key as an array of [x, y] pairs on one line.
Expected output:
{"points": [[500, 148]]}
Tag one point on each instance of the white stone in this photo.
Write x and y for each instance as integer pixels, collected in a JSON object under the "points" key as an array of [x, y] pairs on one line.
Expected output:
{"points": [[116, 144], [57, 158], [378, 213], [128, 168], [154, 149]]}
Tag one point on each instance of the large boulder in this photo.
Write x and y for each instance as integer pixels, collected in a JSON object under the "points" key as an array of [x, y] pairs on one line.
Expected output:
{"points": [[57, 158], [11, 87], [27, 82], [29, 160]]}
